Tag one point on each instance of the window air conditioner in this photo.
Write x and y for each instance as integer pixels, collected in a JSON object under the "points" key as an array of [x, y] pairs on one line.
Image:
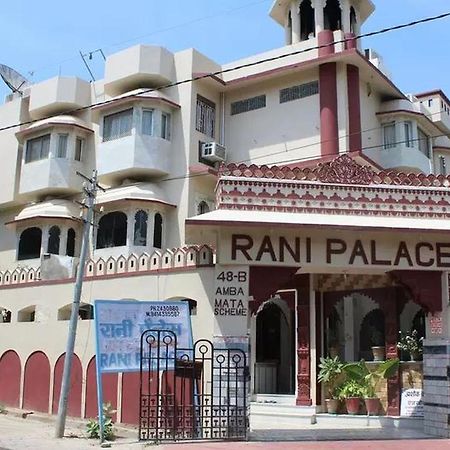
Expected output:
{"points": [[212, 151]]}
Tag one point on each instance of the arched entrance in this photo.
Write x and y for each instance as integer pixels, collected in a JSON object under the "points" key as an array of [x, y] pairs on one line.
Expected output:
{"points": [[36, 388], [10, 379], [274, 369]]}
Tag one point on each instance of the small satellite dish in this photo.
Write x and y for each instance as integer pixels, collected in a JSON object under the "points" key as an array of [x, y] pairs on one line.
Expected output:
{"points": [[13, 79]]}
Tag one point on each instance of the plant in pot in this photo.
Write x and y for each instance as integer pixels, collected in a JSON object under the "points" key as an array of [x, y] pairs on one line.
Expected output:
{"points": [[331, 374], [411, 343], [369, 378], [377, 342], [351, 391]]}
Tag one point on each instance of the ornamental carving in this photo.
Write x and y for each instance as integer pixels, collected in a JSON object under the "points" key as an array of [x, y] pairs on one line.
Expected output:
{"points": [[344, 170]]}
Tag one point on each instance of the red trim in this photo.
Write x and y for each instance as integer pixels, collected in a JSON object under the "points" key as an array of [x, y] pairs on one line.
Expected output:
{"points": [[405, 111], [133, 199], [441, 147], [326, 38], [132, 98], [354, 108], [73, 219], [207, 76], [51, 124], [435, 92], [329, 137]]}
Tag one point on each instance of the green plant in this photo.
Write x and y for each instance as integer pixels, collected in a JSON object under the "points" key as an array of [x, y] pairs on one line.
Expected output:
{"points": [[331, 371], [350, 388], [2, 409], [369, 379], [410, 342], [93, 425]]}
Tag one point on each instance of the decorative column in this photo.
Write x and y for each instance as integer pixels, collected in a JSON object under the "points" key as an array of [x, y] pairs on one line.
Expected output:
{"points": [[130, 227], [318, 16], [295, 23], [303, 342], [328, 110], [354, 109]]}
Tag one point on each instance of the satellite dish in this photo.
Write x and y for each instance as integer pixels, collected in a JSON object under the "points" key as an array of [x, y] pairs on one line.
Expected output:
{"points": [[13, 79]]}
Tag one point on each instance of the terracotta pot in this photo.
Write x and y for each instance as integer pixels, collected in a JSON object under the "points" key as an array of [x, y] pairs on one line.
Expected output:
{"points": [[372, 406], [352, 405], [378, 353], [332, 405]]}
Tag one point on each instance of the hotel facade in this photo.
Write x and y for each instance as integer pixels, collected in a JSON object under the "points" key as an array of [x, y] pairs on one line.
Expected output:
{"points": [[305, 176]]}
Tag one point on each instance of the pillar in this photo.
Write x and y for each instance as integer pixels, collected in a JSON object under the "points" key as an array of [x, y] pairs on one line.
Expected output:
{"points": [[328, 110], [349, 329], [354, 109], [318, 16], [288, 30], [295, 23]]}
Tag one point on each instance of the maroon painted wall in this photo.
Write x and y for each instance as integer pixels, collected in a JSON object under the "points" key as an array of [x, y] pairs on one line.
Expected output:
{"points": [[130, 398], [74, 401], [109, 384], [36, 389], [10, 371]]}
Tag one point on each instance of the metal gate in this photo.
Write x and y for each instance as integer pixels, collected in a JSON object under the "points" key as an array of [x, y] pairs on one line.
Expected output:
{"points": [[191, 394]]}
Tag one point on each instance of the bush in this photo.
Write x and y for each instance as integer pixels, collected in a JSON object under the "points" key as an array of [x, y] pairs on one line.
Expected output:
{"points": [[351, 388], [93, 426], [2, 409]]}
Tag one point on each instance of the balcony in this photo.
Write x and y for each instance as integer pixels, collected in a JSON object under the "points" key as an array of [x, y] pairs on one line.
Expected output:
{"points": [[51, 176], [137, 67], [58, 95], [135, 156]]}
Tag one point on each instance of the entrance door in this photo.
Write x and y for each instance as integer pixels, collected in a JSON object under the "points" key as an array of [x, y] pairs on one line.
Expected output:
{"points": [[275, 363]]}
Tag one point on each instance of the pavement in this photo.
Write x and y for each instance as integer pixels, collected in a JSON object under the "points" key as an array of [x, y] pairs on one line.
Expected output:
{"points": [[36, 432]]}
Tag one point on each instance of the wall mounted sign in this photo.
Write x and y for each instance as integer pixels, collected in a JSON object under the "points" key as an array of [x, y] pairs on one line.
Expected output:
{"points": [[411, 404]]}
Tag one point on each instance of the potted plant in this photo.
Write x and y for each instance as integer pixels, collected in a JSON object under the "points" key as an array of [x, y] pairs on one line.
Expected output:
{"points": [[369, 379], [411, 343], [351, 391], [331, 371], [377, 341]]}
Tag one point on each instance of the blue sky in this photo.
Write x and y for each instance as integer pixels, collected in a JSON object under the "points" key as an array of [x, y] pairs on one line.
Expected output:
{"points": [[44, 37]]}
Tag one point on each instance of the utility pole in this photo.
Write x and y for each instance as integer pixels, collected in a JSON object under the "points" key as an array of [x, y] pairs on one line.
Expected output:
{"points": [[90, 191]]}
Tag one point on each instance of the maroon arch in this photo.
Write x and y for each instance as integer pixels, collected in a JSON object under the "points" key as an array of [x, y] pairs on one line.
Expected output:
{"points": [[10, 371], [130, 398], [109, 384], [36, 386], [74, 401]]}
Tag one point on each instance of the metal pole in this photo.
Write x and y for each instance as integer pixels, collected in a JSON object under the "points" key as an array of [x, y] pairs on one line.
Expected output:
{"points": [[90, 191]]}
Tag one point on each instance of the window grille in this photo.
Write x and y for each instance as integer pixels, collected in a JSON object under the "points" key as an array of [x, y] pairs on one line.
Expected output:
{"points": [[206, 116], [249, 104], [300, 91]]}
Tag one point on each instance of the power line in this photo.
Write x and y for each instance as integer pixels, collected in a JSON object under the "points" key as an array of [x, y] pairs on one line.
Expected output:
{"points": [[231, 69]]}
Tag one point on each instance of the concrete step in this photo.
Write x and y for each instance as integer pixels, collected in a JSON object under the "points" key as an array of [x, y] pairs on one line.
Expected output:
{"points": [[340, 420], [273, 416]]}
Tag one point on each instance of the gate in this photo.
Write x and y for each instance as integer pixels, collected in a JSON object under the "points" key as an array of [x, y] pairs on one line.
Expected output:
{"points": [[191, 394]]}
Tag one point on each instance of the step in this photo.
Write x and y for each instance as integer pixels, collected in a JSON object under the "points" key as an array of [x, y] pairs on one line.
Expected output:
{"points": [[343, 420]]}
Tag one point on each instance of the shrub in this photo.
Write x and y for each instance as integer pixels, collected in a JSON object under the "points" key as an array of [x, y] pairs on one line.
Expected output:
{"points": [[93, 426]]}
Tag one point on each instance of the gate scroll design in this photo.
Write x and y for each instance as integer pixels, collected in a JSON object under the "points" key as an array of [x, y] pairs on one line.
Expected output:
{"points": [[191, 393]]}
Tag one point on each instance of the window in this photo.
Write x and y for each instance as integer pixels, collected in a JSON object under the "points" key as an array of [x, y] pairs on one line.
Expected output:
{"points": [[408, 134], [140, 228], [117, 125], [70, 247], [30, 244], [353, 21], [248, 104], [5, 315], [300, 91], [332, 15], [307, 21], [27, 314], [147, 122], [157, 231], [205, 121], [79, 144], [53, 240], [389, 135], [202, 208], [112, 230], [424, 146], [442, 166], [37, 148], [62, 146], [165, 126], [430, 102]]}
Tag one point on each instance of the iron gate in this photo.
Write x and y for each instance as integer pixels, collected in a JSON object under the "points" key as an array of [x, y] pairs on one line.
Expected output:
{"points": [[194, 393]]}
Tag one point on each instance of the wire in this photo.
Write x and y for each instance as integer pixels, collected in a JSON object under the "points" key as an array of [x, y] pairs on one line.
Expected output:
{"points": [[230, 69]]}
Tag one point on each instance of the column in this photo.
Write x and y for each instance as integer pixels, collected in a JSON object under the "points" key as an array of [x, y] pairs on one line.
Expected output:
{"points": [[130, 227], [328, 110], [354, 109], [288, 30], [436, 366], [295, 23], [314, 344], [318, 15], [63, 240], [349, 352], [345, 16]]}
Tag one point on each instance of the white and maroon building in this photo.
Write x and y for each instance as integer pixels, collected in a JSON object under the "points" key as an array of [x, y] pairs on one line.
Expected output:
{"points": [[309, 171]]}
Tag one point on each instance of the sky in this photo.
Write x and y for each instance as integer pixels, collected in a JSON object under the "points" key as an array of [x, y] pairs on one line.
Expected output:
{"points": [[42, 39]]}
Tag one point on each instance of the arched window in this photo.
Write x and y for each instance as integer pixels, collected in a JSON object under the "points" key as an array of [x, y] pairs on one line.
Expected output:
{"points": [[372, 332], [70, 247], [157, 231], [332, 15], [307, 20], [30, 244], [353, 21], [140, 228], [53, 240], [202, 207], [112, 230]]}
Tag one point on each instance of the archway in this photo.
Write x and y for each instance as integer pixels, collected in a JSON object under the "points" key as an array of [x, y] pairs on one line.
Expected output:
{"points": [[109, 385], [36, 386], [275, 362], [74, 401], [307, 20], [372, 333], [10, 371], [332, 15]]}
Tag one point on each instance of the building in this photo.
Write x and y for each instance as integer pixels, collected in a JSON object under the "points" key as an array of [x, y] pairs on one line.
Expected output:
{"points": [[334, 200]]}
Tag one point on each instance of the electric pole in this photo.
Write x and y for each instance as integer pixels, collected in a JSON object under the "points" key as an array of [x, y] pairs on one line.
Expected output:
{"points": [[90, 191]]}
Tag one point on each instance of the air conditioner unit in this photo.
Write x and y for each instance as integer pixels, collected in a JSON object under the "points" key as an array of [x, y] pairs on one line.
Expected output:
{"points": [[212, 151]]}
